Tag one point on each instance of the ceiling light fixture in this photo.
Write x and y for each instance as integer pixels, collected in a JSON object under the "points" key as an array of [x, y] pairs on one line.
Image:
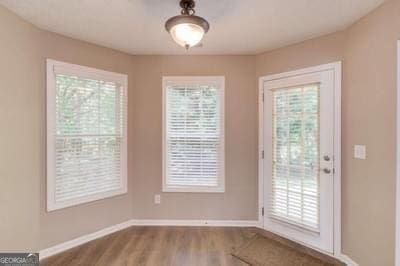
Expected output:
{"points": [[187, 30]]}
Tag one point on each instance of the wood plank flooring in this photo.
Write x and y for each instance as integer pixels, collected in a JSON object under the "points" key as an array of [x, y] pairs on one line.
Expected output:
{"points": [[158, 246]]}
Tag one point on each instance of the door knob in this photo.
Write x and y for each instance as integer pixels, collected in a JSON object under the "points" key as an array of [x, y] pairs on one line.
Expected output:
{"points": [[326, 170], [327, 158]]}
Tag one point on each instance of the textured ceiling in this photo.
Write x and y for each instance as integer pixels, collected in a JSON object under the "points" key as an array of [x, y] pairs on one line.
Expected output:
{"points": [[237, 26]]}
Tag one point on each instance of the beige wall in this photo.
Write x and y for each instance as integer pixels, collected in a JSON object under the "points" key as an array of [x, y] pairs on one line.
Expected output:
{"points": [[239, 202], [144, 126], [61, 225], [369, 113], [20, 133], [24, 223], [24, 97], [323, 50], [368, 50]]}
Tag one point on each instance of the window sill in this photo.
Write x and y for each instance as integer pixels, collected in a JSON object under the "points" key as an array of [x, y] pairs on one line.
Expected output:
{"points": [[193, 189], [53, 206]]}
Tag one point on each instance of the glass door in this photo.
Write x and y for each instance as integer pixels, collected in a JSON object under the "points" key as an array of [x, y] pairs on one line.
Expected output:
{"points": [[298, 142]]}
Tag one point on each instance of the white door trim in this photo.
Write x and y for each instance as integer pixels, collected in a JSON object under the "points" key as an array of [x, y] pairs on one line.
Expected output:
{"points": [[337, 68], [397, 246]]}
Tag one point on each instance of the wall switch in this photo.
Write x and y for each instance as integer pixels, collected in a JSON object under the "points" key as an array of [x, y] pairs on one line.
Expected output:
{"points": [[360, 152], [157, 199]]}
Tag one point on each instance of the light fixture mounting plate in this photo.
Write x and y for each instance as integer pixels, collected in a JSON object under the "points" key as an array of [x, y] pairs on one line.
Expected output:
{"points": [[187, 7], [187, 4]]}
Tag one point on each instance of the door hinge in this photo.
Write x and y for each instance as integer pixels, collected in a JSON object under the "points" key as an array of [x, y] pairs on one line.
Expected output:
{"points": [[262, 211], [262, 154], [263, 97]]}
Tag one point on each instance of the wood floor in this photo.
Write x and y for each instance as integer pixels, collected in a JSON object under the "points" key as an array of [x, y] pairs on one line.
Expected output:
{"points": [[158, 246], [169, 246]]}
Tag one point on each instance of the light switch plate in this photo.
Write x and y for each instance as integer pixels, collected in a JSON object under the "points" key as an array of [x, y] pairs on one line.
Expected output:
{"points": [[157, 199], [360, 152]]}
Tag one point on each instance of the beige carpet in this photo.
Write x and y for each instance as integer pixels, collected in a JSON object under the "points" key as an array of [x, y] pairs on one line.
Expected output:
{"points": [[260, 251]]}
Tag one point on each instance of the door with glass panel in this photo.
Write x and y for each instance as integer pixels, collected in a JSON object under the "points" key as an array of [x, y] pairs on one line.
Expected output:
{"points": [[298, 158]]}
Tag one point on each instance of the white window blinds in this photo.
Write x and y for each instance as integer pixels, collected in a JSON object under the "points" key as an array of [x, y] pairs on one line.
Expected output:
{"points": [[295, 173], [194, 139], [87, 135]]}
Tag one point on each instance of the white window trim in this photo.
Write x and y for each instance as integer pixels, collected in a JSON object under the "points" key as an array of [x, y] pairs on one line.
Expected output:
{"points": [[220, 80], [87, 72]]}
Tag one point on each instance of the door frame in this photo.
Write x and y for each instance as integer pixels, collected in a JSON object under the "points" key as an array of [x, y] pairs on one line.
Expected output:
{"points": [[337, 68], [397, 209]]}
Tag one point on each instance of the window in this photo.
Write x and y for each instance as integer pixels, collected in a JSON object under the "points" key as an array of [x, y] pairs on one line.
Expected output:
{"points": [[295, 175], [86, 134], [193, 134]]}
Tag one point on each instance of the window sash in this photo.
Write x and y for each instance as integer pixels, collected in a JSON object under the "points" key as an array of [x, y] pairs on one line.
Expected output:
{"points": [[105, 147], [295, 147], [198, 164]]}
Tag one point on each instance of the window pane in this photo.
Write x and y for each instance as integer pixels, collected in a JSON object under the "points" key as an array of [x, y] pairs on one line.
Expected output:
{"points": [[193, 136], [295, 175], [88, 137]]}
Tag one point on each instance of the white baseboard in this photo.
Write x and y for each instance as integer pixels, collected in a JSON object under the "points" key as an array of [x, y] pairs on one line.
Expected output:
{"points": [[82, 240], [346, 259], [139, 222], [216, 223], [109, 230]]}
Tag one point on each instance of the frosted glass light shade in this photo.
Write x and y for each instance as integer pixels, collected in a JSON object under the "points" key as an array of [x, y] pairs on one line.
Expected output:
{"points": [[187, 30], [187, 35]]}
